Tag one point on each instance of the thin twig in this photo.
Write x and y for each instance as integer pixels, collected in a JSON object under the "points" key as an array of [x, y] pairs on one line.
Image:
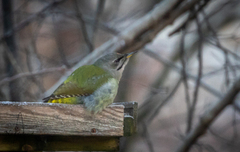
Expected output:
{"points": [[191, 16], [218, 136], [83, 26], [12, 59], [100, 8], [236, 107], [59, 43], [145, 134], [158, 108], [146, 35], [218, 44], [89, 20], [235, 130], [216, 71], [174, 67], [198, 81], [12, 52], [184, 75], [219, 8], [31, 18], [29, 65], [208, 117], [30, 74], [233, 54]]}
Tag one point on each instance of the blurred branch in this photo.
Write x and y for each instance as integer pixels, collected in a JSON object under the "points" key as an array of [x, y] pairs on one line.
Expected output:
{"points": [[161, 78], [218, 44], [31, 52], [100, 7], [174, 67], [158, 108], [219, 137], [168, 18], [11, 51], [208, 117], [31, 74], [89, 20], [29, 62], [104, 26], [184, 74], [198, 81], [207, 147], [216, 71], [191, 16], [236, 107], [133, 14], [145, 134], [31, 18], [234, 125], [59, 43], [211, 14], [12, 60], [83, 26], [234, 55], [139, 33], [33, 46], [220, 7]]}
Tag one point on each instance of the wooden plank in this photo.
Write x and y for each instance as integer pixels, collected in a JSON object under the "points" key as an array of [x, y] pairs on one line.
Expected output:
{"points": [[59, 119], [25, 126], [130, 117], [22, 142]]}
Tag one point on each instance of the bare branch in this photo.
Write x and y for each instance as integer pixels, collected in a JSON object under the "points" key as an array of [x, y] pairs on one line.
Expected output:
{"points": [[89, 20], [145, 134], [30, 74], [174, 67], [198, 81], [26, 22], [184, 75], [208, 117], [220, 7], [171, 94], [218, 44], [83, 26], [236, 107], [190, 17], [100, 7], [12, 59], [59, 43], [234, 125], [12, 53], [235, 67], [219, 137]]}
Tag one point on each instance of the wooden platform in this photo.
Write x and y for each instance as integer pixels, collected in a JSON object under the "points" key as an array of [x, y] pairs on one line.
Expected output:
{"points": [[63, 127]]}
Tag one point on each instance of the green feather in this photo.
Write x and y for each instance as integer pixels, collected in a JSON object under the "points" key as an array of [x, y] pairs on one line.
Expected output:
{"points": [[83, 81]]}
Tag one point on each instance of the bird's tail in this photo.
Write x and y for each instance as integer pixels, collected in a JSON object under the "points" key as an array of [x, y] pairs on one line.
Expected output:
{"points": [[45, 100]]}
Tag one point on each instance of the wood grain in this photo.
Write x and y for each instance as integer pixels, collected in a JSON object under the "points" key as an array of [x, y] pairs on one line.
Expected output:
{"points": [[59, 119]]}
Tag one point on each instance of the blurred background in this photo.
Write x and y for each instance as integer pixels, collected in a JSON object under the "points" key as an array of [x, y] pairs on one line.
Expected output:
{"points": [[178, 73]]}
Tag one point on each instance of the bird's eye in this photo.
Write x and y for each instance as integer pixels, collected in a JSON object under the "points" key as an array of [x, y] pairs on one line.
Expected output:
{"points": [[118, 60]]}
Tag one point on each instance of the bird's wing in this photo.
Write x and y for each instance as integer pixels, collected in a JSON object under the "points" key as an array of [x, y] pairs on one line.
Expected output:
{"points": [[82, 82]]}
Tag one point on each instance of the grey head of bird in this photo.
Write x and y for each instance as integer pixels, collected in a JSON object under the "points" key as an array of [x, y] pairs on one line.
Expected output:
{"points": [[114, 63]]}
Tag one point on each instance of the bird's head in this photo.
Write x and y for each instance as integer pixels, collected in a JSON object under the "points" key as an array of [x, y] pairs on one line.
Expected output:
{"points": [[114, 63]]}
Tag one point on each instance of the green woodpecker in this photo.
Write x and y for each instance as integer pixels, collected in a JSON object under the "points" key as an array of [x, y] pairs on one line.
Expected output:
{"points": [[94, 85]]}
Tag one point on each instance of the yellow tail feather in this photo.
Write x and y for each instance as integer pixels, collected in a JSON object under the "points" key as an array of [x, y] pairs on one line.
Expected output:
{"points": [[72, 100]]}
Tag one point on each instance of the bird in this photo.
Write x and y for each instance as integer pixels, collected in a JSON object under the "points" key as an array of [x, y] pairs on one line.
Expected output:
{"points": [[95, 86]]}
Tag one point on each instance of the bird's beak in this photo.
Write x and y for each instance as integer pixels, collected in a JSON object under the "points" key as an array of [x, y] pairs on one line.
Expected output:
{"points": [[130, 54]]}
